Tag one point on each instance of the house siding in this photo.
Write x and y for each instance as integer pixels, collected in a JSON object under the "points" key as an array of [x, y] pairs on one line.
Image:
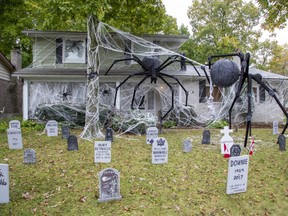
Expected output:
{"points": [[4, 74]]}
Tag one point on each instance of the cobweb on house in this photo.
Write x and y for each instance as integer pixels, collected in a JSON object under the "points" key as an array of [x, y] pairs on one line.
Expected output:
{"points": [[90, 102]]}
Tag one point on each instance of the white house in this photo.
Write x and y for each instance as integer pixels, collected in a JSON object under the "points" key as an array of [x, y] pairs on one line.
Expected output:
{"points": [[56, 81]]}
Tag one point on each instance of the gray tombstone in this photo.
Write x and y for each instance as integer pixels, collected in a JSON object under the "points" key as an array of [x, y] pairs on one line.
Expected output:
{"points": [[15, 124], [282, 142], [65, 131], [206, 137], [109, 135], [109, 185], [29, 156], [72, 143], [187, 145], [235, 150], [14, 138], [52, 128]]}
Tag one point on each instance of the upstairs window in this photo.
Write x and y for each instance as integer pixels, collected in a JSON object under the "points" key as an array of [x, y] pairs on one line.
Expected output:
{"points": [[70, 50]]}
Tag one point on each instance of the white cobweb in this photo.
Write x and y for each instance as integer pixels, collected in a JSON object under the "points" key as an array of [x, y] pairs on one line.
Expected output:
{"points": [[91, 104]]}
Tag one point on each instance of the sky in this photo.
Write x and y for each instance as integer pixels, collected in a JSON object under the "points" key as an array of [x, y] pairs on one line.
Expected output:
{"points": [[178, 9]]}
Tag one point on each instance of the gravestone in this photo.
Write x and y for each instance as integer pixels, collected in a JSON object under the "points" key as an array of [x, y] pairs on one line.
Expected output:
{"points": [[151, 134], [282, 142], [15, 124], [52, 128], [102, 151], [29, 156], [275, 127], [206, 137], [187, 145], [160, 151], [226, 141], [65, 131], [109, 185], [14, 138], [235, 150], [237, 174], [4, 183], [109, 135], [72, 143]]}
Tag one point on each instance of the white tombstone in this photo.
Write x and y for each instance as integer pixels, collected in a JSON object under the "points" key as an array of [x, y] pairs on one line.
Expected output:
{"points": [[237, 174], [160, 151], [102, 151], [151, 134], [226, 141], [275, 127], [52, 128], [15, 124], [4, 183], [14, 138]]}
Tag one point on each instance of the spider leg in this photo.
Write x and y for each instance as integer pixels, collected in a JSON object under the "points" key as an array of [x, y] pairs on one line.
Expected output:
{"points": [[162, 66], [116, 61], [173, 77], [249, 112], [172, 90], [117, 88], [271, 92], [240, 86], [135, 89]]}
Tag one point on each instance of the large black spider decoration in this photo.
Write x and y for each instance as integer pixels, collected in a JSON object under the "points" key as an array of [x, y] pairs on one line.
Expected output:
{"points": [[225, 72], [152, 67]]}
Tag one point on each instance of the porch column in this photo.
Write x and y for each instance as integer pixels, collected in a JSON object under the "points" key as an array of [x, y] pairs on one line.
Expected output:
{"points": [[25, 99]]}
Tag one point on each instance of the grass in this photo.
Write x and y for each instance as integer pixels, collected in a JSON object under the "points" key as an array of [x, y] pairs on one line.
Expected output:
{"points": [[66, 182]]}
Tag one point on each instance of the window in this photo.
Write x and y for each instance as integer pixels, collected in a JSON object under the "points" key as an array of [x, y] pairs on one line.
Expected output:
{"points": [[70, 51], [202, 91], [261, 94]]}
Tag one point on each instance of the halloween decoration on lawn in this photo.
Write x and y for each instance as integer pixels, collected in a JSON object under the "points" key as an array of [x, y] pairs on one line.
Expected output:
{"points": [[225, 73]]}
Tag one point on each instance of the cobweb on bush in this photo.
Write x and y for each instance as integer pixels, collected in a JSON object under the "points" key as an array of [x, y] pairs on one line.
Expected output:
{"points": [[91, 104]]}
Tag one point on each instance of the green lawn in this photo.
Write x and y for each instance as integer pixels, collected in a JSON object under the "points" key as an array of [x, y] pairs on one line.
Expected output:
{"points": [[66, 182]]}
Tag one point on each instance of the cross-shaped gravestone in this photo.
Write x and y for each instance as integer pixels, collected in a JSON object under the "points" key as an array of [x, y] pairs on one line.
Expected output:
{"points": [[4, 183], [72, 143], [109, 185], [109, 134], [65, 131], [282, 142], [15, 124], [206, 137], [226, 141], [187, 145], [14, 138], [29, 156]]}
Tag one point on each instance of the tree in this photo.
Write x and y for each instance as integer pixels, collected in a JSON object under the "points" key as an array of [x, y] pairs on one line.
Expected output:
{"points": [[222, 26], [143, 17], [275, 13]]}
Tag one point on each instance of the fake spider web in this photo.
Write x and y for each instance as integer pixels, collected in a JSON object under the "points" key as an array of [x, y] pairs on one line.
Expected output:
{"points": [[91, 104]]}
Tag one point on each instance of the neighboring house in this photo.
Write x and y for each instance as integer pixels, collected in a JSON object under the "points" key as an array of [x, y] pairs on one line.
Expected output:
{"points": [[57, 80], [10, 88]]}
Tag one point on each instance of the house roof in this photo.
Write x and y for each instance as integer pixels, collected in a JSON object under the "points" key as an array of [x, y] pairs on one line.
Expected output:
{"points": [[150, 37], [6, 62], [81, 73]]}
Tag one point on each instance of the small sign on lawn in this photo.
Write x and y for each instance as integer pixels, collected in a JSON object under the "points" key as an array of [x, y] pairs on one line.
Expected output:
{"points": [[237, 174]]}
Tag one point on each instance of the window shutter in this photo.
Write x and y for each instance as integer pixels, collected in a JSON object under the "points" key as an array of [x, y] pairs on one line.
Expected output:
{"points": [[59, 50], [261, 94], [202, 91]]}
